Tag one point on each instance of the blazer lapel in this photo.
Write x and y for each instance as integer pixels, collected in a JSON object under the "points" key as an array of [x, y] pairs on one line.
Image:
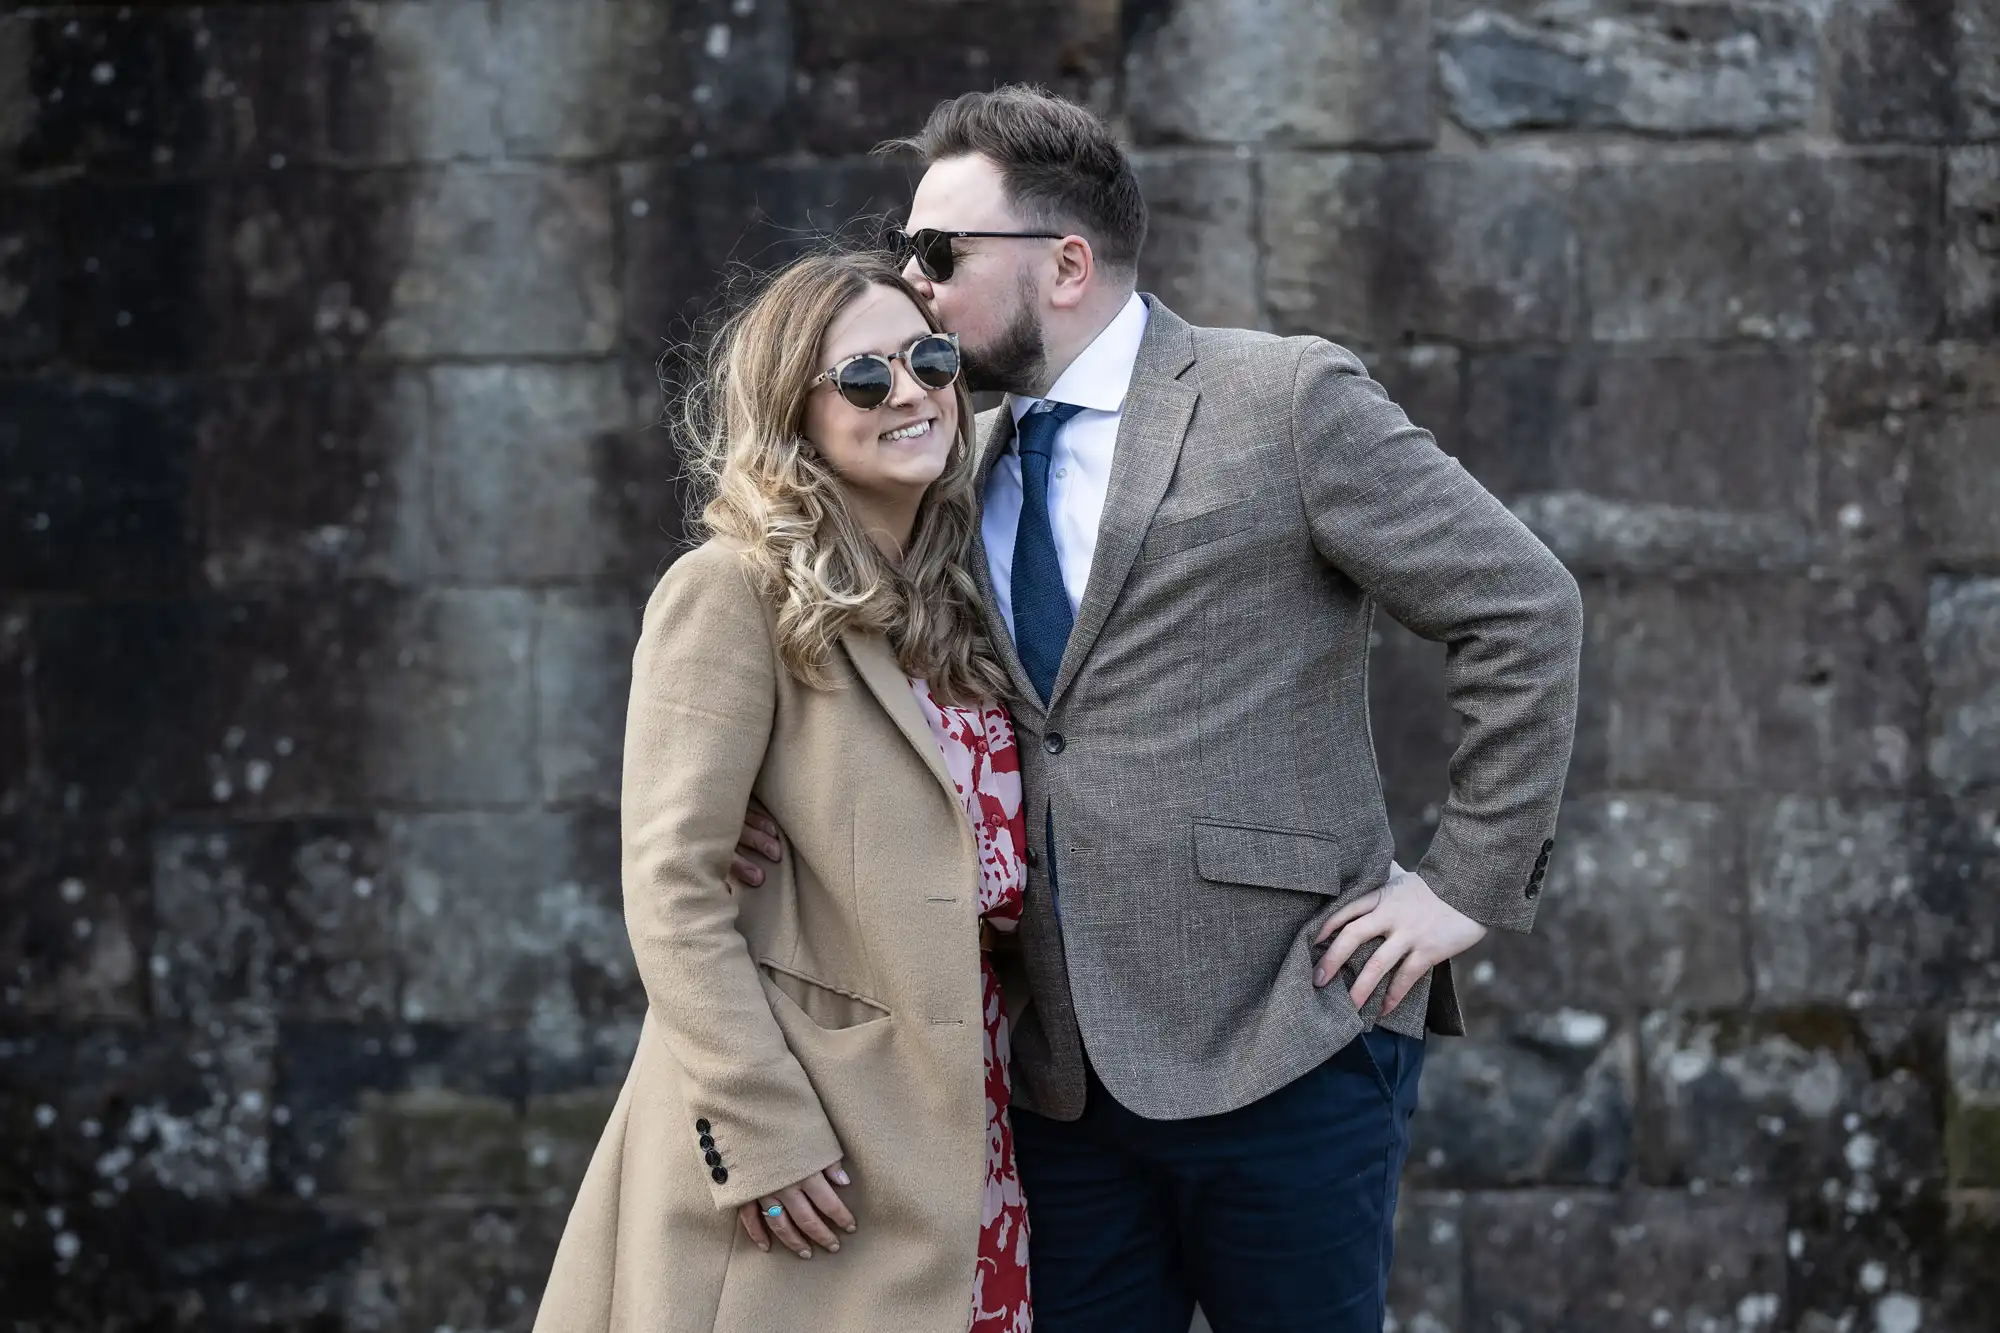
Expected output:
{"points": [[999, 436], [1158, 408], [879, 670]]}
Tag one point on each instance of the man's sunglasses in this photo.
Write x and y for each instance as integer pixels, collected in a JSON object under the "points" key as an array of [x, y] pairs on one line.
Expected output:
{"points": [[865, 380], [932, 247]]}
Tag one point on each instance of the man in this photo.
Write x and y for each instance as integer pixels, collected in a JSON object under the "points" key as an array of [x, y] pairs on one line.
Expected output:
{"points": [[1185, 534]]}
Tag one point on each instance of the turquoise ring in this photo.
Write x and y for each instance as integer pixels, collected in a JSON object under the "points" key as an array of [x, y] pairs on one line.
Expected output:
{"points": [[775, 1210]]}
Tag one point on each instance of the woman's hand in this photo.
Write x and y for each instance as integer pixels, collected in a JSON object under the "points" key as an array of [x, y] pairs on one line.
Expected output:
{"points": [[807, 1210]]}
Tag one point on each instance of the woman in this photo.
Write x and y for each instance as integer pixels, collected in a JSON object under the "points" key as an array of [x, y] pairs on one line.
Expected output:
{"points": [[823, 1061]]}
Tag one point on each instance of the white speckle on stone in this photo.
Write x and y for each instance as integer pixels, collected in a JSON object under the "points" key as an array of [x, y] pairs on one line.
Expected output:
{"points": [[717, 44], [67, 1246], [159, 966], [1660, 1317], [1874, 1276], [1686, 1066], [743, 8], [1561, 1209], [232, 739], [55, 1217], [123, 319], [277, 161], [283, 746], [1434, 1159], [1757, 1310], [1483, 972], [1850, 1122], [305, 1187], [71, 890], [539, 1155], [640, 208], [363, 886], [1852, 516], [45, 1115], [81, 928], [103, 72], [703, 95], [257, 775], [1578, 1028], [1860, 1152], [1898, 1313], [222, 790], [91, 1129], [1619, 810], [251, 1101]]}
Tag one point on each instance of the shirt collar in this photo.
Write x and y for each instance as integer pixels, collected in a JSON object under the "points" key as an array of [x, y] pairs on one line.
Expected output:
{"points": [[1102, 372]]}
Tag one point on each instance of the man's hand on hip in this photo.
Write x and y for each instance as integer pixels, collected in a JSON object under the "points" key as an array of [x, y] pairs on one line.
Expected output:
{"points": [[1417, 928]]}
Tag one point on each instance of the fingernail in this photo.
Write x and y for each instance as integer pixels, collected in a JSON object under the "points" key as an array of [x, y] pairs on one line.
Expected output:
{"points": [[849, 1228], [805, 1254], [840, 1177], [833, 1247], [764, 1247]]}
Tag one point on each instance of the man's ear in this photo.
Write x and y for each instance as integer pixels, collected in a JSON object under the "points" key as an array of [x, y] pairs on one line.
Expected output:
{"points": [[1076, 267]]}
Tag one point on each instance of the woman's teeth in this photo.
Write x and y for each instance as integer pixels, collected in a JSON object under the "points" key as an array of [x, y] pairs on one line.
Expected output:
{"points": [[908, 432]]}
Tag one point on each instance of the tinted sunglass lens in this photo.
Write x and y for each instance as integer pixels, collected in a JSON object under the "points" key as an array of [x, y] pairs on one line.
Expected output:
{"points": [[934, 361], [864, 383], [933, 254]]}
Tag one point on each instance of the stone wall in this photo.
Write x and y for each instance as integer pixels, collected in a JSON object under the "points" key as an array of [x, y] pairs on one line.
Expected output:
{"points": [[327, 503]]}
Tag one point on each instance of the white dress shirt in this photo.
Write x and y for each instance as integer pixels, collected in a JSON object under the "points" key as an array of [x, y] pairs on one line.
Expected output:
{"points": [[1079, 469]]}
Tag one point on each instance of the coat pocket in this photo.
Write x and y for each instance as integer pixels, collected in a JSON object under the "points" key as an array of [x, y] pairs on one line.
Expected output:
{"points": [[827, 1006], [1192, 530], [1301, 860]]}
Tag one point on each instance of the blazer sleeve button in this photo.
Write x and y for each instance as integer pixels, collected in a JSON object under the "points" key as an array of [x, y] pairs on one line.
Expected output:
{"points": [[712, 1157], [701, 1127], [720, 1175]]}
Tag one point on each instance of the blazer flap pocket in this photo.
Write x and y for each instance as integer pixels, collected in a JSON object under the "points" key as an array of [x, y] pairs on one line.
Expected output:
{"points": [[828, 1006], [1272, 858], [1190, 530]]}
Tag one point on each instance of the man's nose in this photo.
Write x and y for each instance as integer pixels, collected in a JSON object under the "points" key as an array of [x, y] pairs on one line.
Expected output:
{"points": [[915, 274]]}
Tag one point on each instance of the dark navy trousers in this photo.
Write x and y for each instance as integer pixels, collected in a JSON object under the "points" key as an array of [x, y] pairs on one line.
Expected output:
{"points": [[1277, 1216]]}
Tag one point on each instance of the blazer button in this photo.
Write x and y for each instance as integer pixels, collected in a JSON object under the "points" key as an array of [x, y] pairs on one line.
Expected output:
{"points": [[1534, 889], [1029, 856], [708, 1140], [1053, 742], [701, 1127], [1548, 845], [712, 1157], [720, 1176]]}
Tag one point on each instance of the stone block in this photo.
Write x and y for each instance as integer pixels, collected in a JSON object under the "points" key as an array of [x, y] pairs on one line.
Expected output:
{"points": [[1962, 649], [459, 1268], [96, 487], [1427, 1280], [1624, 1262], [1914, 70], [1543, 1100], [1841, 1113], [1972, 225], [537, 473], [1788, 684], [134, 275], [856, 82], [1290, 72], [560, 1136], [75, 940], [97, 1111], [634, 79], [1643, 907], [1617, 464], [583, 677], [691, 229], [1385, 249], [30, 274], [306, 478], [1971, 1277], [1835, 916], [1201, 241], [98, 88], [115, 735], [1907, 439], [1771, 246], [1972, 1124], [515, 917], [292, 919], [1958, 900], [364, 694], [1738, 69], [1415, 732], [368, 1111]]}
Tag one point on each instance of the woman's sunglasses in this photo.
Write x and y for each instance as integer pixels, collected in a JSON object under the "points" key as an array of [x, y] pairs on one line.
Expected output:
{"points": [[932, 247], [865, 380]]}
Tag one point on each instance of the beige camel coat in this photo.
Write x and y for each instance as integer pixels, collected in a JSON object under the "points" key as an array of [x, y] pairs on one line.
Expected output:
{"points": [[835, 1013]]}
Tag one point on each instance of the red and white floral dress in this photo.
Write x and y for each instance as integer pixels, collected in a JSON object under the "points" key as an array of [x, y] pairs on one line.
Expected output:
{"points": [[985, 766]]}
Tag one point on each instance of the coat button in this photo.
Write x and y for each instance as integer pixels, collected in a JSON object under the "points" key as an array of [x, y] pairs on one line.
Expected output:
{"points": [[1548, 844], [1029, 856], [1534, 889], [720, 1175], [708, 1140], [712, 1157], [1053, 742], [701, 1127]]}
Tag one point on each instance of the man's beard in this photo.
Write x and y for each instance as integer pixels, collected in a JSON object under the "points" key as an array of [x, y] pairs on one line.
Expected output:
{"points": [[1017, 360]]}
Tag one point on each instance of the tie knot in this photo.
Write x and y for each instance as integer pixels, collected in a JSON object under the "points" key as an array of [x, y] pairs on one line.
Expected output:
{"points": [[1038, 428]]}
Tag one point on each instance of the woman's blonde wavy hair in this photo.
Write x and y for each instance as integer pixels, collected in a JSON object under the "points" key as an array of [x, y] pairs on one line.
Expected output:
{"points": [[760, 483]]}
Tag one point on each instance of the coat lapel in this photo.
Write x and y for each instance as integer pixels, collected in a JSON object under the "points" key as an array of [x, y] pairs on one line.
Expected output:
{"points": [[1158, 408], [999, 435], [879, 670]]}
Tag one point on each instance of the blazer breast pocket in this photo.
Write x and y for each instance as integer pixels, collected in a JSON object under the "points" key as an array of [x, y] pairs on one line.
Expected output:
{"points": [[1188, 531]]}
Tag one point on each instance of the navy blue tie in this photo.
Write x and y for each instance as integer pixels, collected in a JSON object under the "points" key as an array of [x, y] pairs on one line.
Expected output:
{"points": [[1042, 618]]}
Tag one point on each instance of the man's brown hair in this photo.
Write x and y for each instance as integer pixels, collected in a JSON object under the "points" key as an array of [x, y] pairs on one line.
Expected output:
{"points": [[1059, 163]]}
